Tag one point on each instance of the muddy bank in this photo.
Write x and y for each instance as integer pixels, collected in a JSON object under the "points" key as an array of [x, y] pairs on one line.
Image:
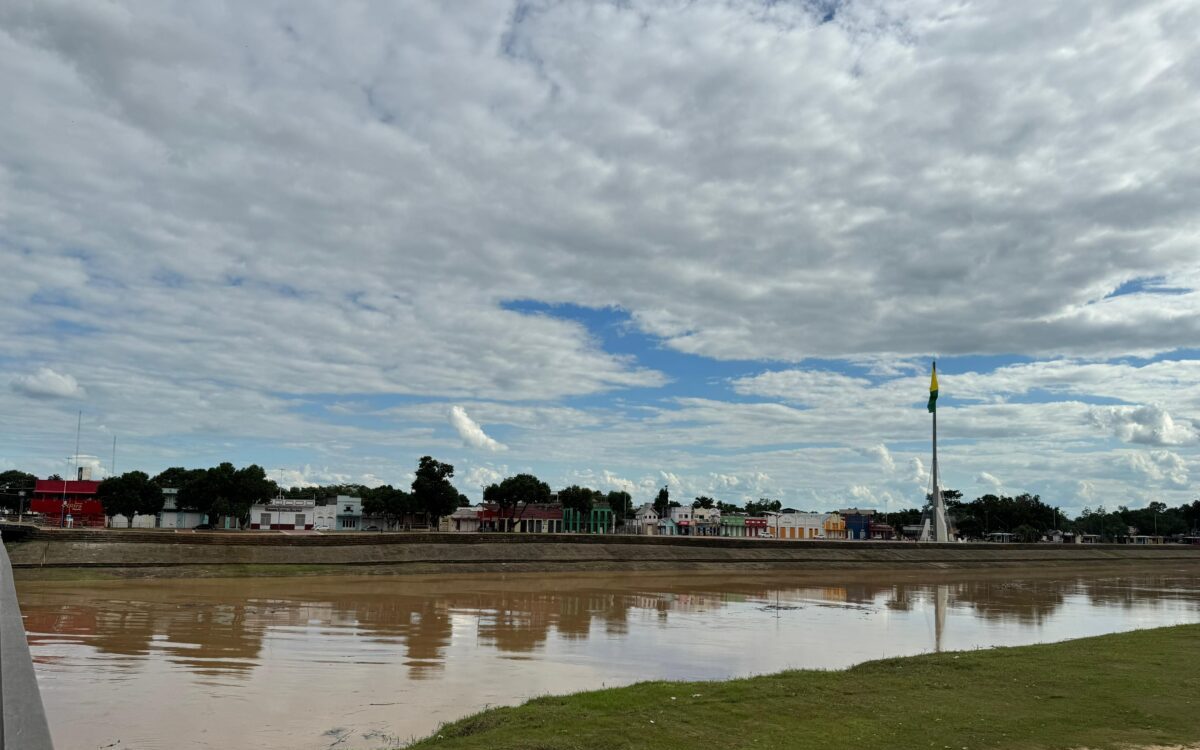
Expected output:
{"points": [[121, 553]]}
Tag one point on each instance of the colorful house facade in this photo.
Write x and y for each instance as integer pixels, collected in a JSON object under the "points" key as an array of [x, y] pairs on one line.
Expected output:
{"points": [[803, 525]]}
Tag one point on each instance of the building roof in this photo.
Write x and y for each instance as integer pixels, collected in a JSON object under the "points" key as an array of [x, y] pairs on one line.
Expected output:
{"points": [[73, 487]]}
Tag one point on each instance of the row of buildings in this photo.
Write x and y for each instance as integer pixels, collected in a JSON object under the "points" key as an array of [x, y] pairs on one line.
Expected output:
{"points": [[73, 503], [850, 523]]}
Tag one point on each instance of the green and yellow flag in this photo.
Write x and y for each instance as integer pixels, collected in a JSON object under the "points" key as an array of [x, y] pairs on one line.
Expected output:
{"points": [[933, 390]]}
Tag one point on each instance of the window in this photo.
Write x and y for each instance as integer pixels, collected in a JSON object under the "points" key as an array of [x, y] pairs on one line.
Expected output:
{"points": [[349, 523]]}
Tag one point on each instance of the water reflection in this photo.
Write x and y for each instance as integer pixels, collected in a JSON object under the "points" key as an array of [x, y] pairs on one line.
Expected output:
{"points": [[367, 641], [211, 626]]}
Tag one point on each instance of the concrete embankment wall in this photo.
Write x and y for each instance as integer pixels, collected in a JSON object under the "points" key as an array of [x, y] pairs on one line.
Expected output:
{"points": [[131, 549]]}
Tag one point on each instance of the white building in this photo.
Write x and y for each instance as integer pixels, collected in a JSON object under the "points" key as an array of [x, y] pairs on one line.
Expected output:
{"points": [[706, 522], [801, 525], [466, 518], [646, 520], [173, 518], [139, 521], [285, 515], [343, 513]]}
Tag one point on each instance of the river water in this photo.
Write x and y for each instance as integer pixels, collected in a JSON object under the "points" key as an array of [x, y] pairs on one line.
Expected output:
{"points": [[369, 662]]}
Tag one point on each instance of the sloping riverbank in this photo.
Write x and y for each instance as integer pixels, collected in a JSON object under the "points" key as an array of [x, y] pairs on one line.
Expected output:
{"points": [[1117, 691], [123, 553]]}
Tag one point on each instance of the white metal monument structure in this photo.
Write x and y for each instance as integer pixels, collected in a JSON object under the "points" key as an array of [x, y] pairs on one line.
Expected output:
{"points": [[940, 531]]}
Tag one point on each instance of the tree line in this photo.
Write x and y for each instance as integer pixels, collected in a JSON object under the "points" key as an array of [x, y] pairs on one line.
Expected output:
{"points": [[1028, 517], [225, 490]]}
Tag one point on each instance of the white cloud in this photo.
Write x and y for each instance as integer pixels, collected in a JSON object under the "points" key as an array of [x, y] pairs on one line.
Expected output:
{"points": [[988, 479], [724, 481], [275, 250], [482, 476], [881, 454], [47, 383], [1159, 466], [863, 495], [471, 433], [611, 481], [1150, 425], [919, 474]]}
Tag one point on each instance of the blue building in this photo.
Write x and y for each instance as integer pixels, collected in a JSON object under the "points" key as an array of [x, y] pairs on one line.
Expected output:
{"points": [[858, 522]]}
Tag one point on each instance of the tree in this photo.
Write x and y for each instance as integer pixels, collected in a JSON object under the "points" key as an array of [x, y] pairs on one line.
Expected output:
{"points": [[130, 494], [578, 498], [727, 508], [176, 476], [14, 480], [432, 492], [520, 490], [12, 484], [704, 502], [224, 490], [389, 502], [621, 503], [763, 505], [1026, 533], [662, 502]]}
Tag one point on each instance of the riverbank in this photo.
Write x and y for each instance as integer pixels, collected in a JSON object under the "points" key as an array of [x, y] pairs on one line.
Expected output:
{"points": [[1127, 690], [59, 554]]}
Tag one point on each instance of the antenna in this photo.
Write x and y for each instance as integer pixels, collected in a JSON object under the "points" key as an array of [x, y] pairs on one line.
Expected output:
{"points": [[78, 427]]}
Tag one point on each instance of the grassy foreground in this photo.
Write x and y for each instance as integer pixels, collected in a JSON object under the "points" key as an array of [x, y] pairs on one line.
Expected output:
{"points": [[1116, 691]]}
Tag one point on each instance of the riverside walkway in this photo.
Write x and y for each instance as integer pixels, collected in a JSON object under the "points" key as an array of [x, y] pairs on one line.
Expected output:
{"points": [[22, 719]]}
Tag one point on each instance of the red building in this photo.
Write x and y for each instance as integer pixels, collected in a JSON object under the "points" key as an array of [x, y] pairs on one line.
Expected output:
{"points": [[756, 526], [80, 502], [536, 518]]}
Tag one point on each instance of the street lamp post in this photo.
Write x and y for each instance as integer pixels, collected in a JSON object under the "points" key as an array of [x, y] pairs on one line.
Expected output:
{"points": [[62, 516]]}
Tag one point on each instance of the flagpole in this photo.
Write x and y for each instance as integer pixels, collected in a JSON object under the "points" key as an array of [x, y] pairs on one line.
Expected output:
{"points": [[939, 510]]}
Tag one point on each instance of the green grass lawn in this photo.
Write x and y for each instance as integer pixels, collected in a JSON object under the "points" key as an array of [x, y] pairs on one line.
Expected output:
{"points": [[1116, 691]]}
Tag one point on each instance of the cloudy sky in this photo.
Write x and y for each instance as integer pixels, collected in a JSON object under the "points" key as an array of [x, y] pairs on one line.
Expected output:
{"points": [[706, 244]]}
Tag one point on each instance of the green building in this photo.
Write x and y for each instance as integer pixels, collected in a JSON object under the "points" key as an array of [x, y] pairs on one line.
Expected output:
{"points": [[598, 520], [733, 525]]}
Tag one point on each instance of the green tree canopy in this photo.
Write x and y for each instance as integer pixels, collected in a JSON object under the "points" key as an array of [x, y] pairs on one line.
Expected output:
{"points": [[662, 502], [432, 491], [522, 489], [14, 480], [131, 493], [582, 499], [391, 503], [704, 502], [12, 484], [763, 505], [621, 503], [176, 477], [224, 490]]}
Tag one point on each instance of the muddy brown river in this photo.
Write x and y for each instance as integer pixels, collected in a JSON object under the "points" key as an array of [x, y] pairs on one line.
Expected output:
{"points": [[372, 661]]}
